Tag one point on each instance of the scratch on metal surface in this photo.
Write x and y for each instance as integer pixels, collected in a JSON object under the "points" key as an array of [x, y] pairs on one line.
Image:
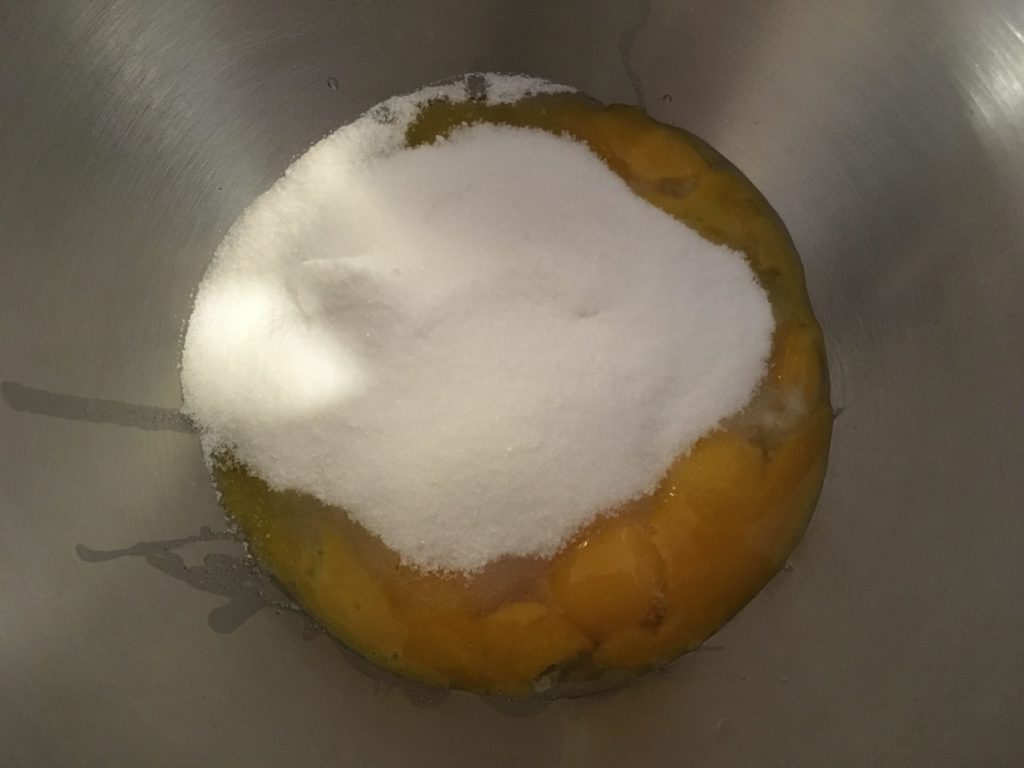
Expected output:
{"points": [[627, 40], [43, 403]]}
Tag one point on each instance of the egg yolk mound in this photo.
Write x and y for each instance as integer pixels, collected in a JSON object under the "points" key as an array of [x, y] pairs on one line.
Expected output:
{"points": [[635, 588]]}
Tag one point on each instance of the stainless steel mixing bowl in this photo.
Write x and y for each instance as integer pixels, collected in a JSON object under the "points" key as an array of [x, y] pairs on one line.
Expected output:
{"points": [[890, 136]]}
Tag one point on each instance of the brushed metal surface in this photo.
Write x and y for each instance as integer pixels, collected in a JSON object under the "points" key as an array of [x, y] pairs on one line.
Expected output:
{"points": [[890, 136]]}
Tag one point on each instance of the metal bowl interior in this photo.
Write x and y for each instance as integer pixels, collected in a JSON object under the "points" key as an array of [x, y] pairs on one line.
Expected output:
{"points": [[891, 140]]}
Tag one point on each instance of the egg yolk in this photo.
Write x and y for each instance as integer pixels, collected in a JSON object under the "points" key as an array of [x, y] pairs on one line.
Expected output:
{"points": [[635, 588]]}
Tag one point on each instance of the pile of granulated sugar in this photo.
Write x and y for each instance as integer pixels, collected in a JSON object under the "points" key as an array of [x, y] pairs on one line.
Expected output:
{"points": [[475, 347]]}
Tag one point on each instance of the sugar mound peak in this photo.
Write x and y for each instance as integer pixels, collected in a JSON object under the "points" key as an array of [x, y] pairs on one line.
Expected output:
{"points": [[474, 347]]}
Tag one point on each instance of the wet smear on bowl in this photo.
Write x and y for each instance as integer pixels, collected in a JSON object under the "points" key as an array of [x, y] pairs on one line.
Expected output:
{"points": [[248, 590], [237, 578], [42, 402]]}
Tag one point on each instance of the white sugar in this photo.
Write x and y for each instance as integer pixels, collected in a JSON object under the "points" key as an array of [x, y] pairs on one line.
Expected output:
{"points": [[475, 347]]}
